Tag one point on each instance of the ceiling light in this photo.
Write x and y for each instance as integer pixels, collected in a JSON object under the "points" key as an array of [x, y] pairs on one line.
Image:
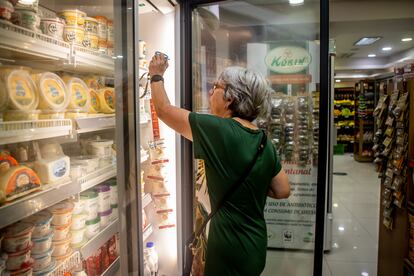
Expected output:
{"points": [[367, 41], [341, 228], [406, 39], [337, 80], [372, 55], [387, 49], [335, 205], [364, 274], [296, 2]]}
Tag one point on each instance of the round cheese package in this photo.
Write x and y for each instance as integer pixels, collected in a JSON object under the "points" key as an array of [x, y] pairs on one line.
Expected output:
{"points": [[92, 82], [21, 90], [53, 92], [79, 92], [4, 96], [95, 105], [107, 100]]}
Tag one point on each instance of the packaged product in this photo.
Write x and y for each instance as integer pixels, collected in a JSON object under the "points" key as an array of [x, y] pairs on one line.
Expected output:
{"points": [[20, 115], [105, 217], [4, 96], [6, 10], [90, 163], [92, 227], [101, 148], [78, 221], [49, 269], [95, 105], [91, 25], [19, 260], [5, 157], [78, 237], [104, 197], [90, 41], [62, 213], [107, 100], [62, 247], [52, 164], [102, 28], [42, 244], [79, 91], [26, 18], [73, 34], [42, 261], [17, 237], [92, 82], [53, 92], [52, 27], [61, 231], [41, 221], [21, 90], [110, 34], [32, 5], [73, 17]]}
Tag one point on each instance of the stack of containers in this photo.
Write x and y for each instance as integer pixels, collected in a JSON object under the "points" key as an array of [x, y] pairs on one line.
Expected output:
{"points": [[91, 33], [78, 228], [42, 237], [104, 204], [61, 224], [102, 149], [27, 15], [89, 201], [73, 30], [102, 34], [111, 38], [114, 198]]}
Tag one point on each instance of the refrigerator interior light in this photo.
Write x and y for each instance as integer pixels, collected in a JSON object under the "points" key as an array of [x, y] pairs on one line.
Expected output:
{"points": [[387, 48], [372, 55], [296, 2], [27, 2], [407, 39], [337, 80]]}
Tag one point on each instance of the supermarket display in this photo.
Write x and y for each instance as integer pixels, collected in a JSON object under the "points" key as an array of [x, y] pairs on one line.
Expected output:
{"points": [[344, 117]]}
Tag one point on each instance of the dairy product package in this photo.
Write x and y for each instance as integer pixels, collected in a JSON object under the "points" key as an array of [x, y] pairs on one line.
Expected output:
{"points": [[79, 92], [95, 105], [21, 90], [53, 92], [107, 100], [51, 164]]}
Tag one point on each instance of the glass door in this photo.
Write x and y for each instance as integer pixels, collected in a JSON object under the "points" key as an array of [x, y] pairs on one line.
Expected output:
{"points": [[282, 41]]}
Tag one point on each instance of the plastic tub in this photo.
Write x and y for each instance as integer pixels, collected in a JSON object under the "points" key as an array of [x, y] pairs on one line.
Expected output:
{"points": [[21, 90], [19, 260], [114, 190], [42, 261], [53, 92], [61, 247], [90, 41], [73, 34], [107, 100], [52, 27], [77, 171], [104, 197], [78, 236], [6, 10], [114, 215], [47, 270], [78, 207], [93, 227], [110, 34], [102, 28], [17, 237], [26, 18], [90, 199], [61, 232], [100, 148], [20, 115], [78, 221], [73, 17], [42, 244], [22, 272], [62, 213], [41, 222], [91, 25], [63, 257], [95, 105], [105, 217], [51, 114], [90, 163]]}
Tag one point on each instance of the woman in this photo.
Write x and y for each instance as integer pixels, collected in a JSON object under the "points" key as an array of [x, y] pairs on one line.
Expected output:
{"points": [[227, 141]]}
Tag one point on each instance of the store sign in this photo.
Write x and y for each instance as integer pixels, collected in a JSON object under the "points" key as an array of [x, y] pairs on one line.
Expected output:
{"points": [[291, 222], [288, 59]]}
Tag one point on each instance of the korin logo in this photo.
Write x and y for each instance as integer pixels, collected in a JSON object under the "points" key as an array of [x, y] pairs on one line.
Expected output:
{"points": [[288, 59]]}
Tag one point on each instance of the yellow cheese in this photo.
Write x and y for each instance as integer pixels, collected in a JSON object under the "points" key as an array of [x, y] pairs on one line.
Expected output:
{"points": [[95, 105], [53, 92], [92, 82], [4, 96], [107, 100], [21, 90], [79, 91]]}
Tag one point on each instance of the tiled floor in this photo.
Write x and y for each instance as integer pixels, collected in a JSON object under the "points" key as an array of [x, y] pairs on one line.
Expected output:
{"points": [[355, 227]]}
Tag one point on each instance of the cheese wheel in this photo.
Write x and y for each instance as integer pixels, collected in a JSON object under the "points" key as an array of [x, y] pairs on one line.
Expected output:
{"points": [[79, 92], [16, 182], [95, 105], [53, 92], [107, 100], [21, 90], [92, 82]]}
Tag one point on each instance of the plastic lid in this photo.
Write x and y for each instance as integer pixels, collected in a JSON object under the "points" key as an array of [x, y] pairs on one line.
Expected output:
{"points": [[40, 218], [101, 142], [53, 92], [79, 92], [89, 194], [17, 229], [62, 207], [73, 10], [102, 188], [22, 91], [150, 244], [93, 221], [91, 19]]}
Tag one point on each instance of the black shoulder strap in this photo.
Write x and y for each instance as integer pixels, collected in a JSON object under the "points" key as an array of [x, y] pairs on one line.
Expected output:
{"points": [[236, 185]]}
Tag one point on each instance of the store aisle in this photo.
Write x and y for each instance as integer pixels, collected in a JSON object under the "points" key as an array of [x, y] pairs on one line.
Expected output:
{"points": [[355, 227]]}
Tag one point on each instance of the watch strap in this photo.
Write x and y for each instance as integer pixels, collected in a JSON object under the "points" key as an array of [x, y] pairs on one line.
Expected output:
{"points": [[156, 78]]}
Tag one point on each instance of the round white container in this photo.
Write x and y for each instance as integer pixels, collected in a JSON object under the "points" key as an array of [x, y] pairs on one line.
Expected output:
{"points": [[114, 214], [90, 199], [18, 260], [91, 25], [62, 213], [42, 244], [17, 237], [105, 218], [53, 92], [89, 163], [41, 222], [61, 247], [93, 227], [77, 236], [21, 90], [104, 197], [52, 27], [78, 222], [79, 206], [114, 190], [42, 261], [100, 148], [61, 232], [6, 10]]}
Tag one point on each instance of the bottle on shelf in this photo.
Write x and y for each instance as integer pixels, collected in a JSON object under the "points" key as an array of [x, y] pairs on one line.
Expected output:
{"points": [[151, 258]]}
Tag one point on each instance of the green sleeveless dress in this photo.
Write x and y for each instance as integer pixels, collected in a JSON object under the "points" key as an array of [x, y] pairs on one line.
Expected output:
{"points": [[237, 238]]}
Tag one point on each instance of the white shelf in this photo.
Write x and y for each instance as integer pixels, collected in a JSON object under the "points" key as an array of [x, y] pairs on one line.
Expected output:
{"points": [[21, 44], [67, 265], [94, 123], [33, 203], [113, 268], [23, 131], [147, 232], [96, 242], [146, 199], [97, 177]]}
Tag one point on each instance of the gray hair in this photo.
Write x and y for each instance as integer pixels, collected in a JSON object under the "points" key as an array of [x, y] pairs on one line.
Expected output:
{"points": [[249, 92]]}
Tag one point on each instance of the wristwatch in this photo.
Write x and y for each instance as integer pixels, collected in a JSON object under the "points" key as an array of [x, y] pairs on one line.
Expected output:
{"points": [[156, 78]]}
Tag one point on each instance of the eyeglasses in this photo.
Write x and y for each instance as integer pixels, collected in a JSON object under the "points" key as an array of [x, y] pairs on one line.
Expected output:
{"points": [[216, 85]]}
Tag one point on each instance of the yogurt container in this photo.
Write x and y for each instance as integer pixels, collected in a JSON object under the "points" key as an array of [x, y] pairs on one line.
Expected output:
{"points": [[93, 227], [41, 222], [52, 27], [90, 163], [62, 213], [102, 28], [91, 26], [21, 90], [73, 17], [20, 115], [104, 197], [78, 221], [114, 190], [17, 237], [78, 207], [90, 199], [42, 244], [61, 247], [90, 41], [95, 104], [100, 147], [61, 232], [53, 92], [6, 10], [47, 270], [73, 34], [105, 217], [19, 260], [42, 261], [114, 215], [63, 257], [79, 93], [26, 18], [77, 236]]}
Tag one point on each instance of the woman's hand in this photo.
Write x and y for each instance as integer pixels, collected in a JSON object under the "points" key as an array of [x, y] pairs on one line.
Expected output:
{"points": [[158, 65]]}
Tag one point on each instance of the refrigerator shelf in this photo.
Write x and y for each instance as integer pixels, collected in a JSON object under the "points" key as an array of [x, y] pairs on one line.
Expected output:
{"points": [[94, 123], [23, 131], [112, 269], [101, 238], [33, 203], [97, 177], [21, 44], [147, 232], [67, 265], [146, 200]]}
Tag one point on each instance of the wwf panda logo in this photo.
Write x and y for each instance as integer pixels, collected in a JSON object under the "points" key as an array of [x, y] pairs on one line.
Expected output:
{"points": [[70, 36], [87, 43], [52, 28]]}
